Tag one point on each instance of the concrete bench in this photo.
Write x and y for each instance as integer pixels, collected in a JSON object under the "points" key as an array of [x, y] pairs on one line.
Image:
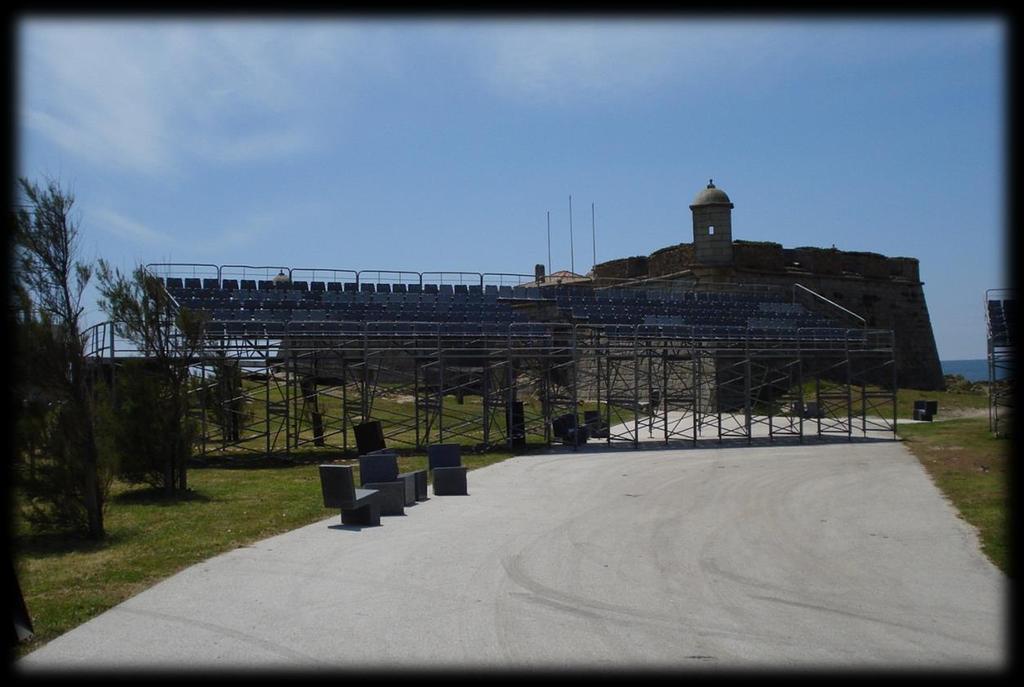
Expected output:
{"points": [[925, 410], [445, 463], [567, 428], [419, 479], [379, 470], [358, 506], [416, 480], [369, 437], [595, 425]]}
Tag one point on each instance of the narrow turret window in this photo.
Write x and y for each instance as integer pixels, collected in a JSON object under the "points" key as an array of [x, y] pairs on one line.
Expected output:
{"points": [[711, 230]]}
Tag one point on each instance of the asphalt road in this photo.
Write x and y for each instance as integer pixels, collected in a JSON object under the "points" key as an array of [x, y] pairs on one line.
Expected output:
{"points": [[825, 555]]}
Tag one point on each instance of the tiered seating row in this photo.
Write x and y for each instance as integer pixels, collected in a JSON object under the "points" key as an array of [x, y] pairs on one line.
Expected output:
{"points": [[318, 304], [1002, 321], [284, 305], [335, 328], [263, 285], [695, 308]]}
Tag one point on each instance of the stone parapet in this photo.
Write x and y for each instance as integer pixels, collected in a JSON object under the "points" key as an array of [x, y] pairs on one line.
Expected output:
{"points": [[764, 255], [635, 267], [671, 259]]}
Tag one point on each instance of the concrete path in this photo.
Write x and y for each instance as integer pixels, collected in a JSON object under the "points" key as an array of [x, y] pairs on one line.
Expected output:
{"points": [[821, 555]]}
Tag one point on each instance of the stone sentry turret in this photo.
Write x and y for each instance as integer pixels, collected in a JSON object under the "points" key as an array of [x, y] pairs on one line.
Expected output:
{"points": [[712, 226], [886, 291]]}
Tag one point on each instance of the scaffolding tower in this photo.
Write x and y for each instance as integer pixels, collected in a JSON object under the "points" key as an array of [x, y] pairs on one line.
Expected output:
{"points": [[1000, 320]]}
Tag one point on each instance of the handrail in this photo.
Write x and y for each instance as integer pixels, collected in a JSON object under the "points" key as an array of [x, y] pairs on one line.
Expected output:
{"points": [[193, 265], [163, 285], [360, 273], [499, 281], [863, 322], [267, 274], [479, 277], [311, 274]]}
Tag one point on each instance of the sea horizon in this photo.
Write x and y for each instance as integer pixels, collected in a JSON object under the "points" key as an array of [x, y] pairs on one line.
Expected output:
{"points": [[972, 369]]}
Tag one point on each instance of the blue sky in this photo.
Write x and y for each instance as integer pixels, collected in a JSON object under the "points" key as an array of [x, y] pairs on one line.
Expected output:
{"points": [[441, 144]]}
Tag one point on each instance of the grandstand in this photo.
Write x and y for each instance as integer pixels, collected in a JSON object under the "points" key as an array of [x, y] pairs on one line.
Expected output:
{"points": [[1001, 327], [494, 359], [250, 306]]}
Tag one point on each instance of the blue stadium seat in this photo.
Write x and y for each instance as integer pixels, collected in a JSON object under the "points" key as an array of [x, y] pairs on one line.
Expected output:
{"points": [[398, 288], [351, 287], [211, 284], [247, 284], [430, 288], [366, 287], [383, 288], [174, 283], [334, 287], [193, 283], [317, 287]]}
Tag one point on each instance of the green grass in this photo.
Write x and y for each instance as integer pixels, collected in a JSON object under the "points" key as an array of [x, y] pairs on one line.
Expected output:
{"points": [[970, 466], [951, 402], [462, 423], [67, 580]]}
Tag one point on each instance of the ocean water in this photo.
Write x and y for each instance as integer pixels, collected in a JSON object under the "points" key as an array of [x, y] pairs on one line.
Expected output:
{"points": [[972, 370]]}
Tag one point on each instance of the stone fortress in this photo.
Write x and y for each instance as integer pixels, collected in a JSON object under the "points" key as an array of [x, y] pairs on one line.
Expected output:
{"points": [[886, 292]]}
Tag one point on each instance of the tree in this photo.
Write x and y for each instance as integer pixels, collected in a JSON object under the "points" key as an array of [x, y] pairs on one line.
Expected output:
{"points": [[49, 281], [156, 433], [223, 397]]}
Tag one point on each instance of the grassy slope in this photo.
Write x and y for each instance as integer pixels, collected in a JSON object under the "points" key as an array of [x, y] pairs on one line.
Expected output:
{"points": [[970, 467]]}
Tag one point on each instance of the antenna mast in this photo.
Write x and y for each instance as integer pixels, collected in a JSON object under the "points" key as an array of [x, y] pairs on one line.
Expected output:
{"points": [[572, 257], [593, 234], [549, 242]]}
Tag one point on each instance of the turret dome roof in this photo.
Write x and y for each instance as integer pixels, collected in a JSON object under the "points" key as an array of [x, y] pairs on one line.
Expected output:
{"points": [[711, 195]]}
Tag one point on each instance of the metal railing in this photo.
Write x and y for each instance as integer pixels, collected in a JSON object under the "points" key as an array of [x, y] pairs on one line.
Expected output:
{"points": [[817, 297]]}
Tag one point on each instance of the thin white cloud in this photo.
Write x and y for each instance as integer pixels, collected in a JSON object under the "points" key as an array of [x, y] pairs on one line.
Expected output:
{"points": [[148, 96], [89, 102], [254, 147], [127, 228], [569, 61], [155, 96]]}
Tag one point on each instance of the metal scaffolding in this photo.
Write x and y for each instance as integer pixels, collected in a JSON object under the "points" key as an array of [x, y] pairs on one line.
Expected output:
{"points": [[289, 391], [286, 387], [1000, 320]]}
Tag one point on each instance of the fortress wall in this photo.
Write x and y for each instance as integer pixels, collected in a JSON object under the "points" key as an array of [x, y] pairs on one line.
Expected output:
{"points": [[896, 304], [871, 265], [623, 268], [899, 306], [817, 260], [886, 291], [671, 259], [764, 255], [905, 268]]}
